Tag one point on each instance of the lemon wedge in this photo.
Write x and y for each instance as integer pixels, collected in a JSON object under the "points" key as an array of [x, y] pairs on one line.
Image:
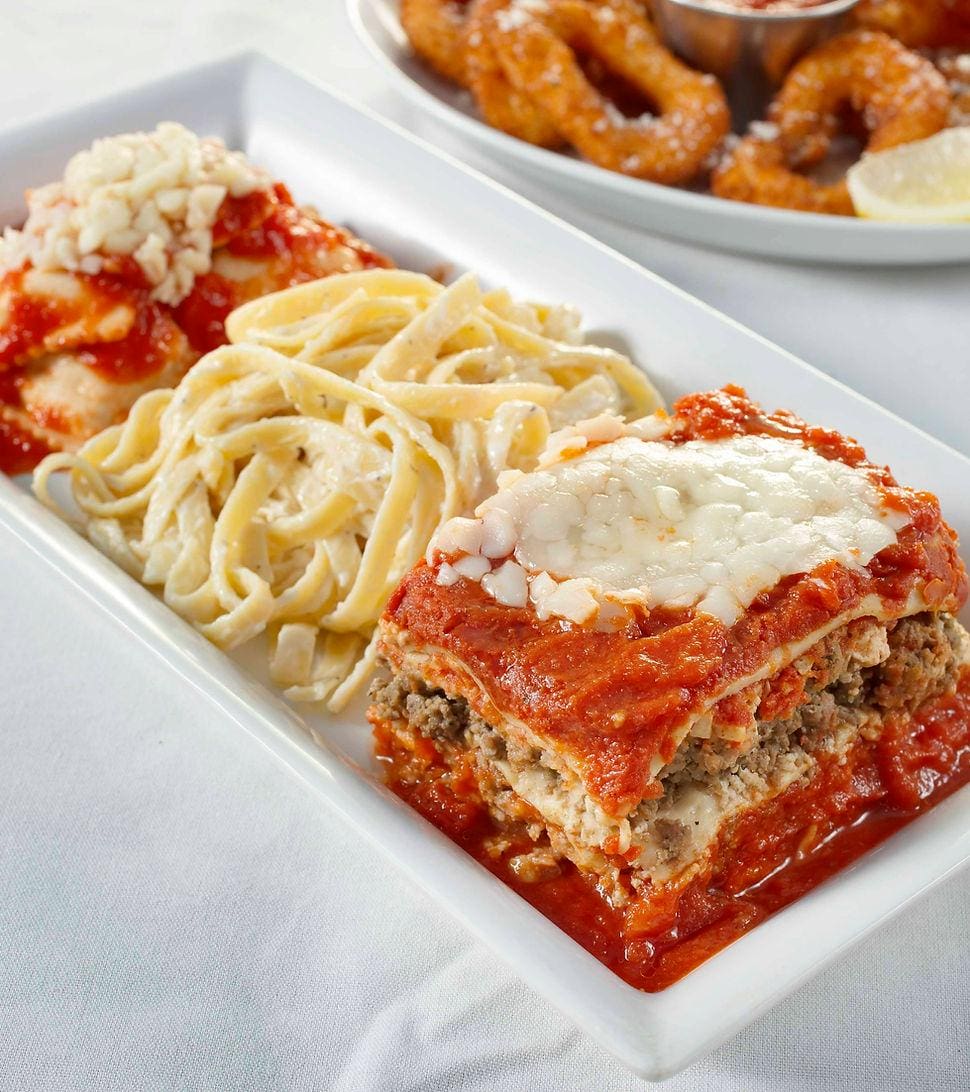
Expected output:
{"points": [[923, 182]]}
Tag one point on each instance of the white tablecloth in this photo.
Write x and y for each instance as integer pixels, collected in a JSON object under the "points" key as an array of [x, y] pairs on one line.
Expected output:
{"points": [[176, 913]]}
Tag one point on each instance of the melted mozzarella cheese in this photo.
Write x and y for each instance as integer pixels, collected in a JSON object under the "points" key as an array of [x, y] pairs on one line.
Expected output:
{"points": [[154, 196], [705, 524]]}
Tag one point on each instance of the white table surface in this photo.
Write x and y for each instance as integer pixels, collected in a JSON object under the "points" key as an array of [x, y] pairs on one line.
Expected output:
{"points": [[176, 913]]}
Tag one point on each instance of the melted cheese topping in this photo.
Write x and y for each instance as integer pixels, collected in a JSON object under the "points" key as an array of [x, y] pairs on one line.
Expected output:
{"points": [[153, 196], [705, 524]]}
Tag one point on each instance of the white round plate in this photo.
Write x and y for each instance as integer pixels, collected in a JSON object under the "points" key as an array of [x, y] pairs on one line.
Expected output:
{"points": [[694, 217]]}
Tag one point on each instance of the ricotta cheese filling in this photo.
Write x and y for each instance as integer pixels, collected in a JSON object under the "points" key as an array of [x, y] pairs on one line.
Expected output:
{"points": [[152, 196], [707, 524]]}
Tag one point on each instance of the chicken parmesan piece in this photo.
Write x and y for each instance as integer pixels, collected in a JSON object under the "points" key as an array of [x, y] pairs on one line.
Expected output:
{"points": [[124, 273], [631, 655]]}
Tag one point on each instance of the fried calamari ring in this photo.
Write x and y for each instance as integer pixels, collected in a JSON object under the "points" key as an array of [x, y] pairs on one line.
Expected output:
{"points": [[920, 24], [756, 171], [537, 42], [436, 29], [501, 104], [899, 96]]}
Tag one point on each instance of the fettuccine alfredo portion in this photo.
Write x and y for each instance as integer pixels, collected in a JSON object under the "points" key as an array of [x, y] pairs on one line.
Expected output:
{"points": [[292, 477]]}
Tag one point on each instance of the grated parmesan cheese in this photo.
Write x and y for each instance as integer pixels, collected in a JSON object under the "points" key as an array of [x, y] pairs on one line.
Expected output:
{"points": [[152, 196], [709, 524]]}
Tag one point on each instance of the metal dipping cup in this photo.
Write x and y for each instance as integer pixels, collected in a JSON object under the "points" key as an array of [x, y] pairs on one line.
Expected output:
{"points": [[749, 51]]}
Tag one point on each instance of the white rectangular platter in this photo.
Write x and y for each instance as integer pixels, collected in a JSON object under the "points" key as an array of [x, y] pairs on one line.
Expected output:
{"points": [[424, 208]]}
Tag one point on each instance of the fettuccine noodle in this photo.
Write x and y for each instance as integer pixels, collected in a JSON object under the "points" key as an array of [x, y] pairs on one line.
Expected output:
{"points": [[295, 475]]}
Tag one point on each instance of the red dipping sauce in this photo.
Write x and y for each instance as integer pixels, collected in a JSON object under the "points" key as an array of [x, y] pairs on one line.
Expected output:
{"points": [[770, 7]]}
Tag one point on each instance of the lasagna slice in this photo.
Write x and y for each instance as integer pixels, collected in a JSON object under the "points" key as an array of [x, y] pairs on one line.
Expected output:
{"points": [[636, 654]]}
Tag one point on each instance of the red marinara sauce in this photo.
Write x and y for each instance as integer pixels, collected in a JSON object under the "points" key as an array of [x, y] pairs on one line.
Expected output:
{"points": [[144, 351], [20, 451], [32, 322], [300, 247], [768, 859]]}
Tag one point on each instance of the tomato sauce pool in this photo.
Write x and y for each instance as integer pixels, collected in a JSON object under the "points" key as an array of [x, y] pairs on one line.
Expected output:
{"points": [[770, 857]]}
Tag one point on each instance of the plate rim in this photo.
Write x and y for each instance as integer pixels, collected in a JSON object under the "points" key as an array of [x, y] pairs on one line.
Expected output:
{"points": [[645, 1031]]}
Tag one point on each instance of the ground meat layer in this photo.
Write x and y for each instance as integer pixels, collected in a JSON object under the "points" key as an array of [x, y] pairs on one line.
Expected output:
{"points": [[844, 687]]}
